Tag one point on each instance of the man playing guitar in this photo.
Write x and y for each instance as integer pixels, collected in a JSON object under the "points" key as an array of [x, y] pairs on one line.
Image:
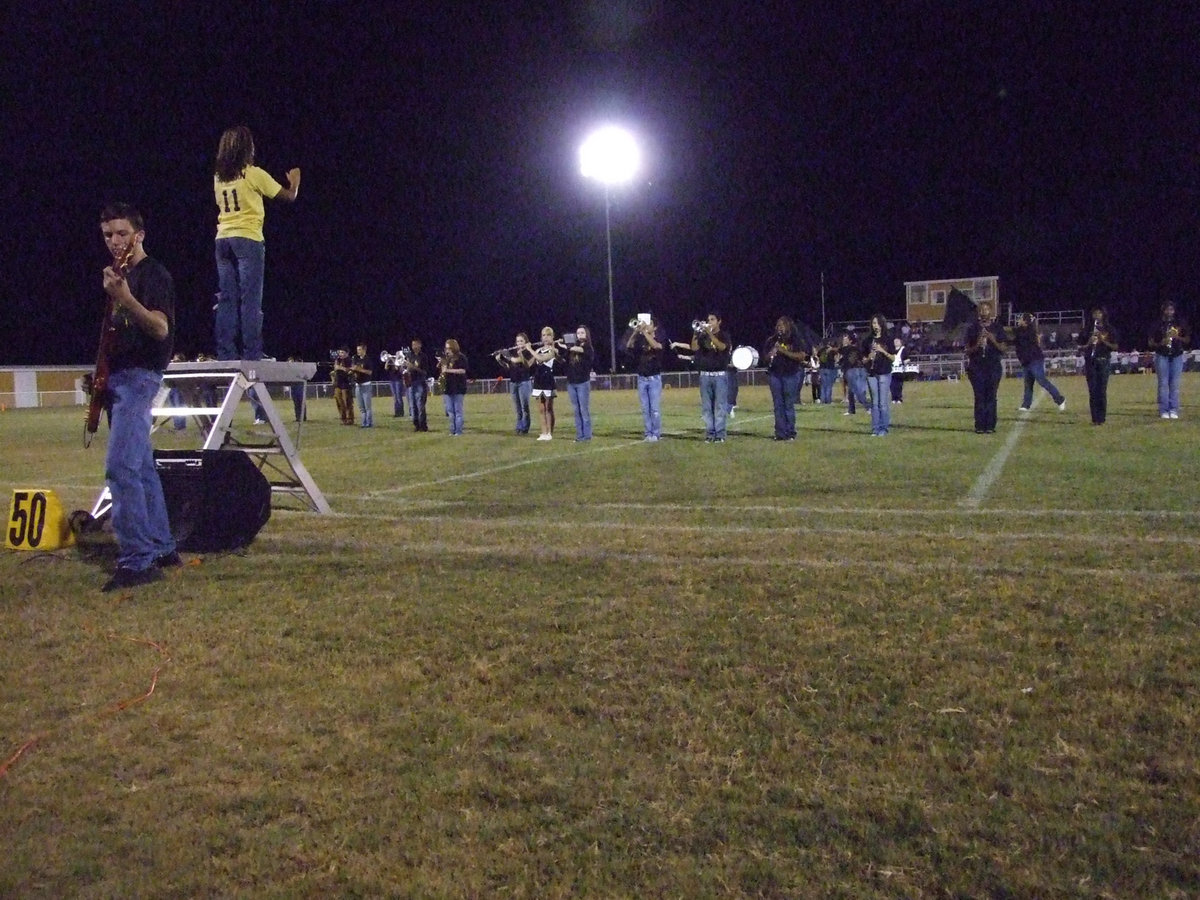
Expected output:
{"points": [[139, 349]]}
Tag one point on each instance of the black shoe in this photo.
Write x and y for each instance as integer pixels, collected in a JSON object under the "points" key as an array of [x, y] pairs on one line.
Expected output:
{"points": [[127, 578], [169, 560]]}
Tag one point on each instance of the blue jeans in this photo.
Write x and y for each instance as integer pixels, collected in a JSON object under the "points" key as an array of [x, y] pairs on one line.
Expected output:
{"points": [[453, 404], [856, 386], [362, 395], [175, 398], [650, 394], [520, 392], [714, 390], [1168, 370], [418, 394], [784, 390], [240, 265], [139, 512], [1036, 372], [828, 377], [732, 393], [581, 398], [881, 403], [398, 392]]}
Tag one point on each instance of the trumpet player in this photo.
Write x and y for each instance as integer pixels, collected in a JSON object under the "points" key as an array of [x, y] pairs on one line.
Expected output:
{"points": [[360, 365], [1098, 341], [545, 356], [984, 361], [710, 346], [516, 361], [785, 359], [878, 354], [417, 367], [393, 365], [646, 343], [1169, 338]]}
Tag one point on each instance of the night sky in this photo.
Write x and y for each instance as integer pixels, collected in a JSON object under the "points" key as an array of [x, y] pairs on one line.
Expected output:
{"points": [[1051, 144]]}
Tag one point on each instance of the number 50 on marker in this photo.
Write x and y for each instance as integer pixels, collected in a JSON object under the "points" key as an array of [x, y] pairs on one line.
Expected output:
{"points": [[36, 522]]}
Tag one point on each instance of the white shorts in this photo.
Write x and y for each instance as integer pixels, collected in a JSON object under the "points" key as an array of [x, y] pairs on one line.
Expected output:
{"points": [[542, 392]]}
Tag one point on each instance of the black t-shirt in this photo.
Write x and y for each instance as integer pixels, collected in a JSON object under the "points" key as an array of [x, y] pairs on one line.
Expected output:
{"points": [[649, 360], [132, 348], [362, 362], [708, 357], [986, 354], [783, 365], [579, 365], [456, 384], [1025, 342], [876, 363], [516, 363]]}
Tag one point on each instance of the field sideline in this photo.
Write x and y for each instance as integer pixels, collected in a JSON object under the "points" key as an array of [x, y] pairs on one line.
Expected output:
{"points": [[935, 664]]}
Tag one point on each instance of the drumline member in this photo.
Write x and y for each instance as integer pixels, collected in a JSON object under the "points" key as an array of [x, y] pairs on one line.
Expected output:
{"points": [[545, 355], [646, 343], [516, 361], [452, 366], [784, 360], [879, 357], [581, 359], [898, 377]]}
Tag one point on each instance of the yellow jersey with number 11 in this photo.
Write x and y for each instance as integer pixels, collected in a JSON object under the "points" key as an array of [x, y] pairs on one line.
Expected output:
{"points": [[240, 203]]}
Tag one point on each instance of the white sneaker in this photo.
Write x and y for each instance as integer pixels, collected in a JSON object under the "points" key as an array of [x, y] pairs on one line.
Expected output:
{"points": [[1165, 416], [1174, 415], [1063, 405], [543, 437], [1026, 408]]}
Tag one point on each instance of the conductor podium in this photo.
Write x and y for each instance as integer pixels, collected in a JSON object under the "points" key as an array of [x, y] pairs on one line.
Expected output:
{"points": [[212, 392]]}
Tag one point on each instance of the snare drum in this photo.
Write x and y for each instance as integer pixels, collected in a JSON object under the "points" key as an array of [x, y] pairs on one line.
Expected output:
{"points": [[744, 358]]}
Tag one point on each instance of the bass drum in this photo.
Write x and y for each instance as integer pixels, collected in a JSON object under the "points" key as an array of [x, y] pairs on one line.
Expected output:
{"points": [[744, 358]]}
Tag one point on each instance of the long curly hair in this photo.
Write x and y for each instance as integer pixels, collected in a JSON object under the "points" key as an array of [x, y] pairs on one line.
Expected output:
{"points": [[234, 153]]}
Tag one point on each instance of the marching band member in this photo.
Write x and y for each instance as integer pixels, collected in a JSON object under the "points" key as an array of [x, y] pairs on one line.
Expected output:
{"points": [[416, 374], [646, 344], [545, 355], [516, 361], [897, 377], [1098, 340], [850, 359], [360, 365], [343, 386], [240, 187], [985, 367], [828, 361], [1027, 341], [878, 356], [784, 358], [453, 369], [1169, 339], [395, 373], [581, 359], [143, 319], [710, 345]]}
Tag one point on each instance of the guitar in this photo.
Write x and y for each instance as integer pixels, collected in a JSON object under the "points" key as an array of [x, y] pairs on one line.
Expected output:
{"points": [[97, 383]]}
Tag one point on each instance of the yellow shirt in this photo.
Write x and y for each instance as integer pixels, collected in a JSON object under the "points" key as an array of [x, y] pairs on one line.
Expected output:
{"points": [[240, 203]]}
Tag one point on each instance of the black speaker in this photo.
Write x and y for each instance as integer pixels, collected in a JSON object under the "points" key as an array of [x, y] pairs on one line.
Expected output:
{"points": [[216, 499]]}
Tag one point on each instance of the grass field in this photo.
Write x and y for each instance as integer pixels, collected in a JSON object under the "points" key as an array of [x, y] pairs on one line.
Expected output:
{"points": [[936, 664]]}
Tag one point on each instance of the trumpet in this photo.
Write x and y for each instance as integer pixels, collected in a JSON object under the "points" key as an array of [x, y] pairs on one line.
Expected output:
{"points": [[700, 326]]}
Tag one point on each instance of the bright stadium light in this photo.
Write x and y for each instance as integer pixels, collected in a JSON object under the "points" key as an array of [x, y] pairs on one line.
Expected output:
{"points": [[610, 155]]}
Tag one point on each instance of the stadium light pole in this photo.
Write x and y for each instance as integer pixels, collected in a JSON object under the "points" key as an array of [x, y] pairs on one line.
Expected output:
{"points": [[610, 155]]}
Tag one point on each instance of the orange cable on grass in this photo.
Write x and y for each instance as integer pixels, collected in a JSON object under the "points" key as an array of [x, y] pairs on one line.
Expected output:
{"points": [[12, 759]]}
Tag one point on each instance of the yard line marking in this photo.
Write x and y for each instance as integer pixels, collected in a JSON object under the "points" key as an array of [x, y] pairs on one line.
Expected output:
{"points": [[532, 461], [989, 475], [425, 549], [1101, 537]]}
